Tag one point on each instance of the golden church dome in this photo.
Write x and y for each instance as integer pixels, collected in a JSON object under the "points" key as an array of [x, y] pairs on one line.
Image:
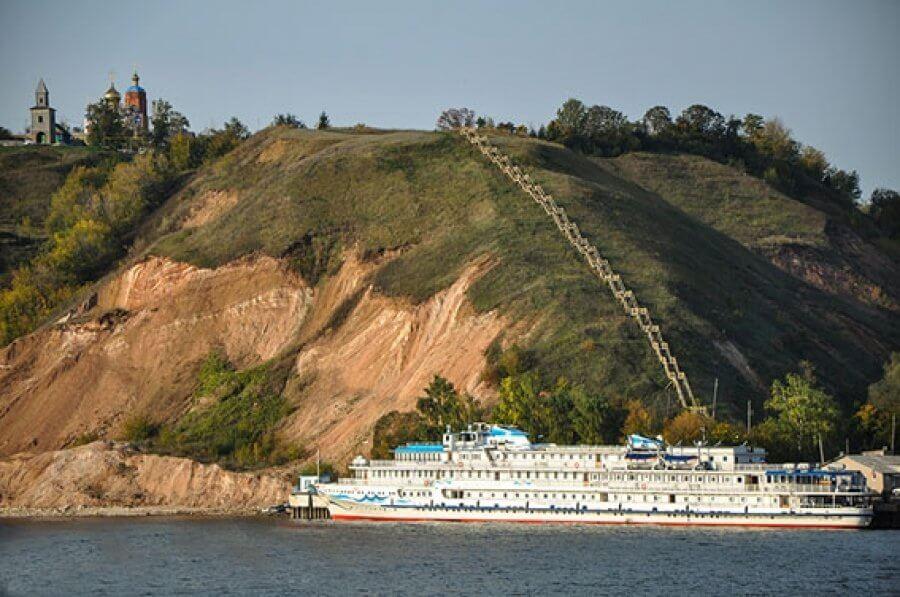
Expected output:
{"points": [[111, 94]]}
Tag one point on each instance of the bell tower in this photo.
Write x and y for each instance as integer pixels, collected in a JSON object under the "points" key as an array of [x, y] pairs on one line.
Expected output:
{"points": [[43, 117], [136, 105]]}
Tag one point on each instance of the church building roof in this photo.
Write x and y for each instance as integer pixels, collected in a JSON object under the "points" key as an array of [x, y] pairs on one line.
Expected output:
{"points": [[135, 84]]}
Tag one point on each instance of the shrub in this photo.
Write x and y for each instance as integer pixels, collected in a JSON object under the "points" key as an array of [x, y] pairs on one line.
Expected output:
{"points": [[234, 418], [139, 428]]}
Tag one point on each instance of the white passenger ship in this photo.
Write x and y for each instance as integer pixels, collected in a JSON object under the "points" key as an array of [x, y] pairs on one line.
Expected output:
{"points": [[494, 473]]}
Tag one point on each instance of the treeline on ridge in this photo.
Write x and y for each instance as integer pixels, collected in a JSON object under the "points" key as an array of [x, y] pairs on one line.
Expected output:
{"points": [[761, 147]]}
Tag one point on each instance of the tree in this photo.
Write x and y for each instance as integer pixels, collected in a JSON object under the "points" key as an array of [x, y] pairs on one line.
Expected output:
{"points": [[701, 120], [570, 117], [166, 123], [5, 133], [82, 252], [396, 428], [774, 140], [236, 129], [589, 417], [442, 405], [183, 153], [602, 120], [814, 162], [638, 419], [217, 143], [105, 126], [657, 120], [845, 183], [752, 125], [73, 200], [885, 393], [687, 427], [520, 404], [289, 120], [802, 412], [884, 207], [454, 118], [323, 121]]}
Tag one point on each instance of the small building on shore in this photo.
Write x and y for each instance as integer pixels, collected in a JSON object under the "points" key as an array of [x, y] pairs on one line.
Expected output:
{"points": [[882, 470]]}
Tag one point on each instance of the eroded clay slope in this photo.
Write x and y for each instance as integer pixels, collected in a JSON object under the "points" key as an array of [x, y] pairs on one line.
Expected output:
{"points": [[108, 474], [359, 354], [382, 355], [139, 348]]}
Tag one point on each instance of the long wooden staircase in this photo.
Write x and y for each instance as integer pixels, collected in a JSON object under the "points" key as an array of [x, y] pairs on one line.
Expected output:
{"points": [[595, 260]]}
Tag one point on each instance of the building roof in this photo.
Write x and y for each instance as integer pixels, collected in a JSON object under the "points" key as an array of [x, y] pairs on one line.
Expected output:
{"points": [[886, 464], [135, 84], [41, 88]]}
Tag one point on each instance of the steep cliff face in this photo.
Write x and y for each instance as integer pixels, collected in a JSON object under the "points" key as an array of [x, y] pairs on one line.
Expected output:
{"points": [[138, 349], [381, 356], [358, 354]]}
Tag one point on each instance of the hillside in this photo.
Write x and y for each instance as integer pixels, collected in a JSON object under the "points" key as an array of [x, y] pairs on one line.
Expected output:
{"points": [[359, 265], [28, 176]]}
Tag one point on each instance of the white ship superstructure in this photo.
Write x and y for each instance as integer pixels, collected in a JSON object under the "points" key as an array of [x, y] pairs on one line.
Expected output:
{"points": [[494, 473]]}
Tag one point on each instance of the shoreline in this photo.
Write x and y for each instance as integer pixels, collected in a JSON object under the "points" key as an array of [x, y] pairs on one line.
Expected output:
{"points": [[71, 512]]}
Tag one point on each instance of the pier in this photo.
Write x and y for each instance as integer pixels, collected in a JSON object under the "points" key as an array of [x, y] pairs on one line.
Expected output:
{"points": [[305, 505]]}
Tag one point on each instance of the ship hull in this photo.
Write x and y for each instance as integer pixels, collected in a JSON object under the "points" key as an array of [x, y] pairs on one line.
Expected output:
{"points": [[343, 510]]}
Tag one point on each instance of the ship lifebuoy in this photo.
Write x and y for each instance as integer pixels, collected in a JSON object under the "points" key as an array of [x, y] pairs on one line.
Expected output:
{"points": [[643, 486], [577, 465]]}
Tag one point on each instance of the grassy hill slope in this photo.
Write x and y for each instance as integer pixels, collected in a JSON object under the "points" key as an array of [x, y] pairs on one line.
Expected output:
{"points": [[431, 199], [28, 177]]}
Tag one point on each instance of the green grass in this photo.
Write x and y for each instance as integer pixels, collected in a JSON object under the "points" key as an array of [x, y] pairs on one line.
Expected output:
{"points": [[739, 205], [432, 196], [232, 420]]}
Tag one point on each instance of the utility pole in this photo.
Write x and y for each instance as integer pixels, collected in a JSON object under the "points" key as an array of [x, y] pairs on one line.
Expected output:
{"points": [[893, 431], [318, 468], [821, 451], [715, 395], [749, 415]]}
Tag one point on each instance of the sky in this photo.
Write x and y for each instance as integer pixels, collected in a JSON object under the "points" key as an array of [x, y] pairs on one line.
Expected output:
{"points": [[830, 70]]}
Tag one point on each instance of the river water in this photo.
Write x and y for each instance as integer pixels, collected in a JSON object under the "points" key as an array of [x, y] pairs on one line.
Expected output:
{"points": [[169, 556]]}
